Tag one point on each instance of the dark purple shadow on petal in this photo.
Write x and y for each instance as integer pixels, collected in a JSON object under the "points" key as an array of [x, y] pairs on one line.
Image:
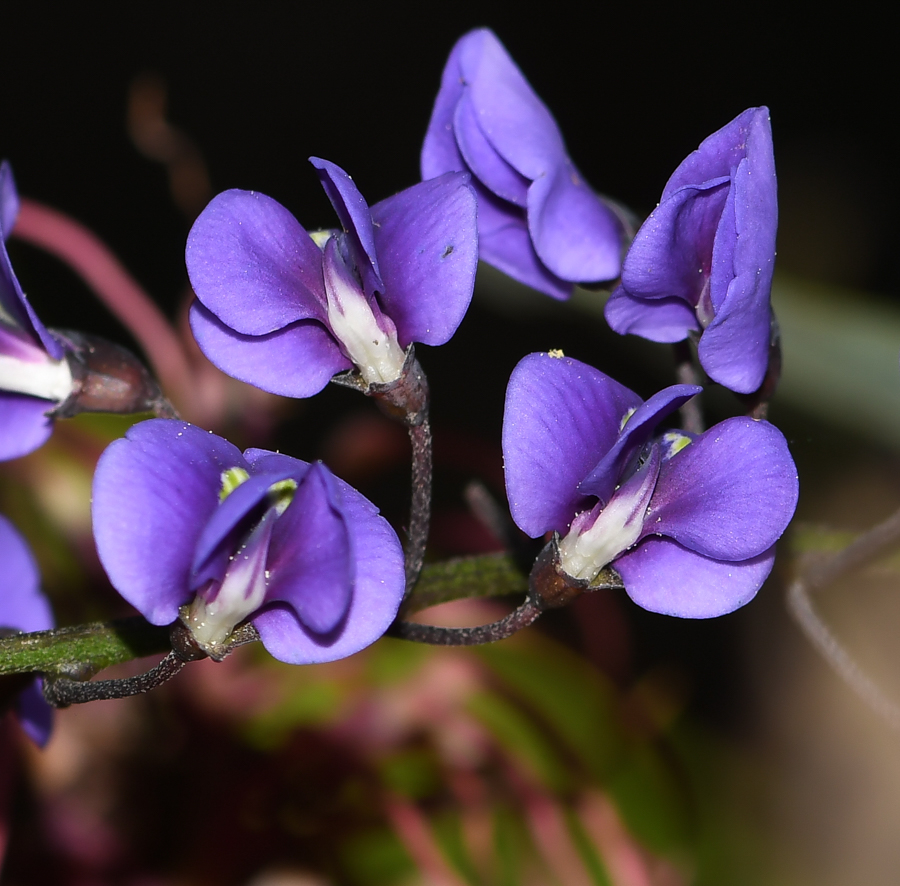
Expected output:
{"points": [[661, 576], [356, 220], [561, 417], [613, 466], [377, 591], [311, 561], [576, 236], [253, 265], [427, 242], [153, 493], [297, 361], [504, 242], [22, 604], [24, 424], [35, 715], [730, 494]]}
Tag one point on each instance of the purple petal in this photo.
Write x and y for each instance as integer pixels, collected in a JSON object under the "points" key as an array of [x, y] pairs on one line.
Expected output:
{"points": [[24, 424], [512, 117], [35, 715], [606, 475], [377, 591], [728, 495], [656, 319], [482, 159], [576, 236], [9, 200], [560, 419], [253, 265], [661, 576], [440, 152], [297, 361], [310, 559], [153, 493], [504, 242], [720, 153], [427, 243], [22, 605], [356, 220], [672, 253]]}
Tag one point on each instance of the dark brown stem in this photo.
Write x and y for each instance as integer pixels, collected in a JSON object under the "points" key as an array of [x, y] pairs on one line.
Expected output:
{"points": [[686, 373], [505, 627]]}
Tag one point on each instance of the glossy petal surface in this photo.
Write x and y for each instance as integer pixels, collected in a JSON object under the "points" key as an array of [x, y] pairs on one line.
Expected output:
{"points": [[24, 424]]}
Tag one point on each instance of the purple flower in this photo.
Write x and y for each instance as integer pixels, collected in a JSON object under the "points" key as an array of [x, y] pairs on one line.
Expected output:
{"points": [[689, 523], [24, 608], [703, 260], [187, 525], [35, 376], [538, 220], [285, 311]]}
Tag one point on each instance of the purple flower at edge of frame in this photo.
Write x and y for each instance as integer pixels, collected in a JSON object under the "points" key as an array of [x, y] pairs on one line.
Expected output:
{"points": [[285, 312], [23, 607], [703, 260], [689, 523], [34, 373], [186, 525], [538, 219]]}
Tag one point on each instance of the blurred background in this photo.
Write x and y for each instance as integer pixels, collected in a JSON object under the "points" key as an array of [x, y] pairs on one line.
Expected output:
{"points": [[610, 743]]}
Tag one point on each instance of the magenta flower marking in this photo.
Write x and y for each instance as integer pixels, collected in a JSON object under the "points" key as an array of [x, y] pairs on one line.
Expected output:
{"points": [[186, 525], [703, 260], [689, 523], [538, 220], [280, 312]]}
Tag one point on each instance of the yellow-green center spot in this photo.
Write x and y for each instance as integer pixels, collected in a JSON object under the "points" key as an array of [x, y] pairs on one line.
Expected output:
{"points": [[231, 479], [676, 441], [281, 494], [626, 417]]}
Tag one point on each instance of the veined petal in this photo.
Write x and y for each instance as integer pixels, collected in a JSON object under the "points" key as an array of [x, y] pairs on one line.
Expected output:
{"points": [[297, 361], [24, 424], [561, 417], [356, 220], [153, 492], [311, 559], [253, 265], [656, 319], [576, 236], [662, 576], [427, 244], [377, 591], [728, 495], [514, 120]]}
